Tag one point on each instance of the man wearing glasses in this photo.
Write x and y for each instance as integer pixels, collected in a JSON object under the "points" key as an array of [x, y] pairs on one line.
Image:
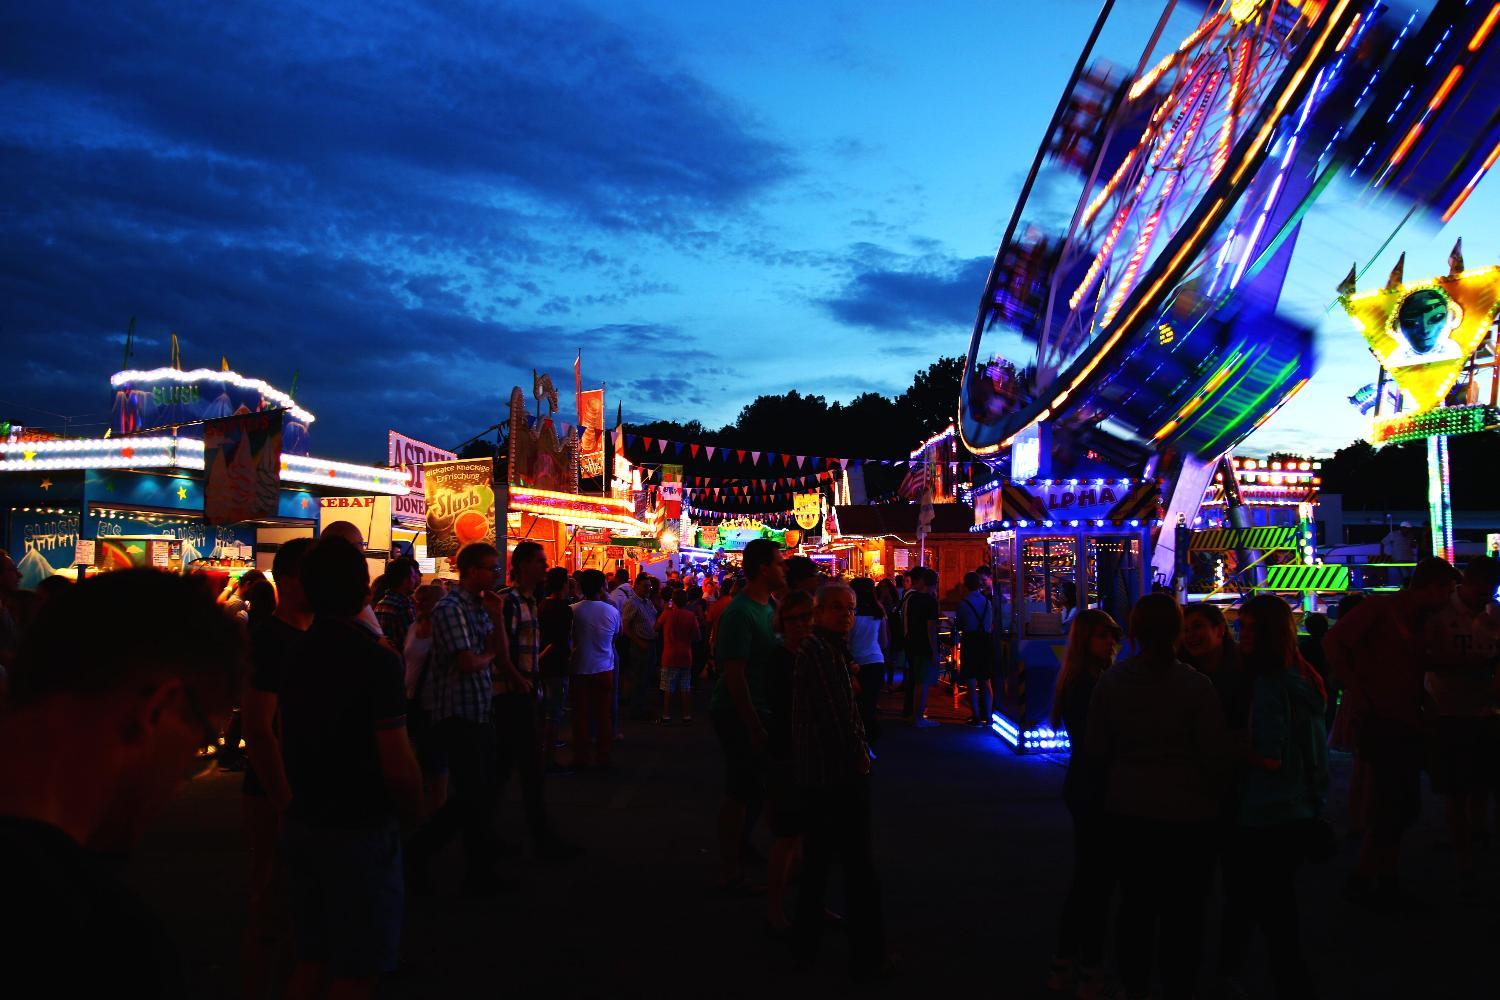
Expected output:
{"points": [[464, 642]]}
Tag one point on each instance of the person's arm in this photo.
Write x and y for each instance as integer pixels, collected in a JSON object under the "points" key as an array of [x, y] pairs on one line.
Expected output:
{"points": [[1340, 642], [1270, 730], [451, 638], [733, 654], [398, 764], [499, 646], [932, 629], [884, 635], [263, 747], [1097, 741]]}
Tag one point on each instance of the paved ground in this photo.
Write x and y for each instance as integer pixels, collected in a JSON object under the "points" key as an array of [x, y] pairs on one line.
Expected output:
{"points": [[973, 845]]}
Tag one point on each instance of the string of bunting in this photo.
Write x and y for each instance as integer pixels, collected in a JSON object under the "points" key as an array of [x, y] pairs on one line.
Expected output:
{"points": [[770, 517], [752, 457], [752, 491]]}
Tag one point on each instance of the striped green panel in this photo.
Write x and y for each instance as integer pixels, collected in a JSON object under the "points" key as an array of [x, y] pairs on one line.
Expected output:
{"points": [[1260, 539], [1293, 576]]}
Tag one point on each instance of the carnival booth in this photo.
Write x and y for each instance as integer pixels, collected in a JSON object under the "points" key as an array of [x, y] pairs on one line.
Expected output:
{"points": [[1058, 546], [201, 471], [544, 504]]}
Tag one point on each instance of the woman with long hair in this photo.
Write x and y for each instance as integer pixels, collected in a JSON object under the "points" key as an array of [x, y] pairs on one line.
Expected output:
{"points": [[890, 603], [867, 642], [794, 623], [1093, 643], [1280, 795]]}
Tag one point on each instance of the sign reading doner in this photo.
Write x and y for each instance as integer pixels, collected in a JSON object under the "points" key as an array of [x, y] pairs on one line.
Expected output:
{"points": [[410, 454], [460, 504]]}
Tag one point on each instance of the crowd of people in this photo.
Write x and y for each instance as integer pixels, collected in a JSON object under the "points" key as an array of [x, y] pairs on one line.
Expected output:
{"points": [[384, 722]]}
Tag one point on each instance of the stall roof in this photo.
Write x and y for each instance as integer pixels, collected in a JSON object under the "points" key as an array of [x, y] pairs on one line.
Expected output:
{"points": [[874, 520]]}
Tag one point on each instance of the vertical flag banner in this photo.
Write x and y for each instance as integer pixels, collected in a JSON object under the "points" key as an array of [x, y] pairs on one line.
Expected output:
{"points": [[242, 459], [460, 504], [591, 444]]}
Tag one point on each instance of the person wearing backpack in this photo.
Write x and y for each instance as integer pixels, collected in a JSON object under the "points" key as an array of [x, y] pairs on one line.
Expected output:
{"points": [[1278, 821], [976, 618]]}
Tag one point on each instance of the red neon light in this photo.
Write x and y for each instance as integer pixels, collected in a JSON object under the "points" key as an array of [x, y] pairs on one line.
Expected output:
{"points": [[1446, 88], [1484, 28], [1463, 195], [1406, 144]]}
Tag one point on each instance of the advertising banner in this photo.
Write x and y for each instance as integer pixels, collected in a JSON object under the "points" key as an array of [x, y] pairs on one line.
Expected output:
{"points": [[142, 403], [242, 467], [410, 455], [591, 430], [460, 504], [808, 510], [371, 515]]}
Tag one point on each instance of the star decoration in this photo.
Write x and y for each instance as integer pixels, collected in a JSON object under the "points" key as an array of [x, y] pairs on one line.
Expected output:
{"points": [[182, 492], [28, 455], [46, 484]]}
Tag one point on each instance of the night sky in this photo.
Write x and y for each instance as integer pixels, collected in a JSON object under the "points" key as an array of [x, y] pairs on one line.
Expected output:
{"points": [[413, 205]]}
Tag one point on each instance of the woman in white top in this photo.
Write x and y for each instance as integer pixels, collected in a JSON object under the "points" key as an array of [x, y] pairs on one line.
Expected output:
{"points": [[867, 643], [596, 623]]}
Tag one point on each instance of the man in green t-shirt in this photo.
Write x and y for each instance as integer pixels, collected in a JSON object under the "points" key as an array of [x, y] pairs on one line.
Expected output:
{"points": [[743, 644]]}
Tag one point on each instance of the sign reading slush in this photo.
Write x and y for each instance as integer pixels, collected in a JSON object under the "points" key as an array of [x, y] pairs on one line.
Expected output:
{"points": [[460, 504]]}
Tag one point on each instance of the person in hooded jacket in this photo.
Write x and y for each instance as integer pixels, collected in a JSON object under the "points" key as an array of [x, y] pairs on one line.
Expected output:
{"points": [[1281, 792]]}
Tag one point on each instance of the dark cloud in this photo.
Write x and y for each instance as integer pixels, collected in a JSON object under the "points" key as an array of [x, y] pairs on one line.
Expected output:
{"points": [[890, 292], [390, 199]]}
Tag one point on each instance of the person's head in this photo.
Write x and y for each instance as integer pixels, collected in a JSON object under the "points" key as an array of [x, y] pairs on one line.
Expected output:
{"points": [[833, 607], [1431, 584], [249, 581], [1156, 624], [591, 583], [902, 581], [923, 579], [973, 582], [426, 597], [622, 577], [10, 574], [644, 582], [1316, 625], [1067, 594], [402, 576], [1347, 603], [794, 618], [346, 530], [865, 602], [1481, 577], [1093, 643], [1204, 631], [478, 567], [986, 577], [51, 588], [556, 582], [133, 673], [286, 568], [262, 600], [694, 594], [1268, 633], [528, 565], [801, 574], [763, 565], [335, 579]]}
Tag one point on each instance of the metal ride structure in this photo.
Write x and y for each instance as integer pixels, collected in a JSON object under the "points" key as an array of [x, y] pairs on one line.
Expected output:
{"points": [[1143, 272]]}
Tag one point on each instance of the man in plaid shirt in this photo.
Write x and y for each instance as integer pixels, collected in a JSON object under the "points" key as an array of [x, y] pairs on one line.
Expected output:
{"points": [[396, 611], [464, 649], [831, 762], [518, 730]]}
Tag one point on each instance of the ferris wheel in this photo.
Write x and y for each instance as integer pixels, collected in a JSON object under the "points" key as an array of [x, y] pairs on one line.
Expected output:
{"points": [[1177, 169]]}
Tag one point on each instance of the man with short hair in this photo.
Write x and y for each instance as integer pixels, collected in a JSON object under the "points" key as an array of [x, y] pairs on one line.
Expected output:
{"points": [[396, 611], [465, 641], [1376, 652], [595, 625], [976, 620], [353, 780], [740, 706], [119, 685], [638, 624], [831, 764], [274, 643], [802, 574], [919, 621], [517, 736]]}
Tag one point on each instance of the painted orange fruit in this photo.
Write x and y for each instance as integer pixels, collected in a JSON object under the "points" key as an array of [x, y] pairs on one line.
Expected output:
{"points": [[470, 526]]}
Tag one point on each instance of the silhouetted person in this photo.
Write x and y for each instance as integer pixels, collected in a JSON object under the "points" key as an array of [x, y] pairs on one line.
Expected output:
{"points": [[1156, 725], [116, 689]]}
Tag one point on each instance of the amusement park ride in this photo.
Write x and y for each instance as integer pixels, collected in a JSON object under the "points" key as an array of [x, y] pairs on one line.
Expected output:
{"points": [[1150, 309]]}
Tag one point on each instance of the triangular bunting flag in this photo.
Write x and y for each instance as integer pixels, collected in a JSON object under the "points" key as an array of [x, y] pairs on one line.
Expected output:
{"points": [[661, 445], [694, 450], [710, 449], [817, 462], [647, 442], [740, 454], [755, 458], [801, 461], [677, 447], [786, 461]]}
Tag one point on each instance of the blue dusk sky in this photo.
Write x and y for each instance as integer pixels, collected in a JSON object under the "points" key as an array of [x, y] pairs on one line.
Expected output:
{"points": [[413, 205]]}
